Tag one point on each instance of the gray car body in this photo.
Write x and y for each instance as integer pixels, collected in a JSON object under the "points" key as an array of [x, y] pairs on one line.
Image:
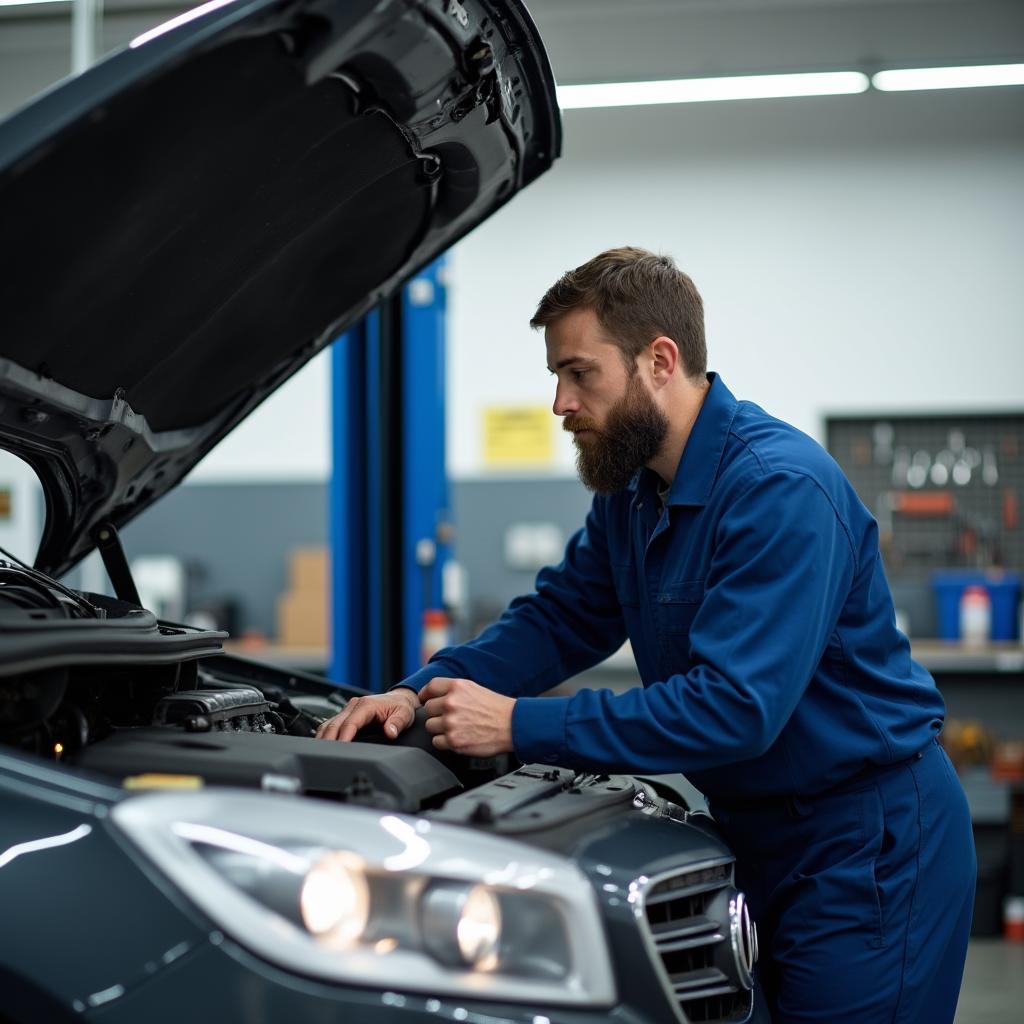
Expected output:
{"points": [[92, 931]]}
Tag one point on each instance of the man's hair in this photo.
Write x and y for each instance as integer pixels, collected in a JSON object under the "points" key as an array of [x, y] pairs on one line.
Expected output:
{"points": [[636, 296]]}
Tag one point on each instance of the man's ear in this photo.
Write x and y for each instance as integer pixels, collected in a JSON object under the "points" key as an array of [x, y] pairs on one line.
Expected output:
{"points": [[664, 359]]}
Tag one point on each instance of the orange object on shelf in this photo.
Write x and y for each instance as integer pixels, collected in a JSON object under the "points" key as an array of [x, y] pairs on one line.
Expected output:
{"points": [[1011, 510], [1013, 919], [253, 639], [436, 626], [925, 503], [1008, 761]]}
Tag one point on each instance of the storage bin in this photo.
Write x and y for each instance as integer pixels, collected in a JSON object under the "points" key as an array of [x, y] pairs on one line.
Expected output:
{"points": [[1003, 590]]}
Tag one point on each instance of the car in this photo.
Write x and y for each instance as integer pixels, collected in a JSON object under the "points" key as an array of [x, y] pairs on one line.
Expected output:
{"points": [[188, 223]]}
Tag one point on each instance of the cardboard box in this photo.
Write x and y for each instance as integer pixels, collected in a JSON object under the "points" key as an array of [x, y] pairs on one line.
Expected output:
{"points": [[302, 620], [307, 570]]}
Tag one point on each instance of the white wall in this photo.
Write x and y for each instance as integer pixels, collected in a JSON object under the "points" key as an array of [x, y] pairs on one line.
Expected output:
{"points": [[22, 525], [855, 253], [288, 438]]}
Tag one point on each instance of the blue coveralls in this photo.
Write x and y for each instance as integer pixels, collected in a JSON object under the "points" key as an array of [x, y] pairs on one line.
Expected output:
{"points": [[775, 678]]}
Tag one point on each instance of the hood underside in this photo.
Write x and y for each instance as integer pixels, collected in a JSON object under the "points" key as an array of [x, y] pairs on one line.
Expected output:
{"points": [[192, 220]]}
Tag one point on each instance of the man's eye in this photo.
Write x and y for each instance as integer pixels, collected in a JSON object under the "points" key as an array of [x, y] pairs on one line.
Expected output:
{"points": [[578, 375]]}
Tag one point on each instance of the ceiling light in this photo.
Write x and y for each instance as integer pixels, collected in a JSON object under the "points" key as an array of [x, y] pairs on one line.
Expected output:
{"points": [[705, 90], [29, 3], [949, 78]]}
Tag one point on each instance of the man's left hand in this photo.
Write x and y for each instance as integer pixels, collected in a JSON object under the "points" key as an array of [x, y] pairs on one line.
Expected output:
{"points": [[467, 718]]}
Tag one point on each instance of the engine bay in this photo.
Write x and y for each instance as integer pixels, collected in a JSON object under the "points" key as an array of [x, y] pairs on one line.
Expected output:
{"points": [[232, 722], [100, 684]]}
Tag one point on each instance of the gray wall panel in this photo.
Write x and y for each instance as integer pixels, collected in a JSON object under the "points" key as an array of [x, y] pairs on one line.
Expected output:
{"points": [[485, 509], [238, 536]]}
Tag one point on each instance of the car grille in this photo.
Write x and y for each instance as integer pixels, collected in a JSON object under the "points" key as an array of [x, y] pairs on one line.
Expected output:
{"points": [[687, 916]]}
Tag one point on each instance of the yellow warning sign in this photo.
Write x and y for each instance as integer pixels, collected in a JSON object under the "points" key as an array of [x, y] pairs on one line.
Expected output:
{"points": [[518, 435]]}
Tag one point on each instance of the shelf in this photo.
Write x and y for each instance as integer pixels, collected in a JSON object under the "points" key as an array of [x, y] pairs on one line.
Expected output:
{"points": [[952, 657], [935, 655]]}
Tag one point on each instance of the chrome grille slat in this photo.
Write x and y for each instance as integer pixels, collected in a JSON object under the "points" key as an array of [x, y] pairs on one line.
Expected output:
{"points": [[684, 927], [707, 993], [676, 894], [684, 944], [681, 914], [694, 941], [690, 982]]}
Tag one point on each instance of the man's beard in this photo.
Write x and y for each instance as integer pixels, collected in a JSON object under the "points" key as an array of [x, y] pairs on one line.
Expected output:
{"points": [[633, 434]]}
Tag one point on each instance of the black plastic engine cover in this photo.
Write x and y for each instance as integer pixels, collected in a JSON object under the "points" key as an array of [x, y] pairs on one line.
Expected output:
{"points": [[220, 708], [395, 777]]}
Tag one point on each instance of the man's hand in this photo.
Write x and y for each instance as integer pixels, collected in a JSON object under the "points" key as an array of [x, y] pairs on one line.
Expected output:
{"points": [[396, 709], [467, 718]]}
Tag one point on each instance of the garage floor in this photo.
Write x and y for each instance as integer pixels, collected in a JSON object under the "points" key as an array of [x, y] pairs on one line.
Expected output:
{"points": [[993, 991]]}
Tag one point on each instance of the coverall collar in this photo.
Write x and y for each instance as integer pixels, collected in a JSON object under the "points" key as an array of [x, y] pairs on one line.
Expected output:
{"points": [[702, 455]]}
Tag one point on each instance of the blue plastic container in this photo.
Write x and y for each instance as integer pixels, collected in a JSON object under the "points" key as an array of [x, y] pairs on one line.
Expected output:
{"points": [[1003, 591]]}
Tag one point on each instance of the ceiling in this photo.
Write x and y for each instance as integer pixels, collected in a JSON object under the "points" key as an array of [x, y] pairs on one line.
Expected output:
{"points": [[607, 40], [623, 40]]}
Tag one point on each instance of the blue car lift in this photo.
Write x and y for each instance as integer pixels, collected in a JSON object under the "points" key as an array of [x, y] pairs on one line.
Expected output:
{"points": [[388, 514]]}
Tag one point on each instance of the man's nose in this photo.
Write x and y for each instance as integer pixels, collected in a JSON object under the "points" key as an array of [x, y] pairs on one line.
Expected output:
{"points": [[566, 403]]}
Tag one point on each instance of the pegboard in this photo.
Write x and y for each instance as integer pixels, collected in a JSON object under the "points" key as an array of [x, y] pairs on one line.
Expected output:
{"points": [[947, 491]]}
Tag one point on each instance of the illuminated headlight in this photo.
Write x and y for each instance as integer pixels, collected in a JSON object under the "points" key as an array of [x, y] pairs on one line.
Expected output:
{"points": [[354, 895], [335, 900], [462, 925]]}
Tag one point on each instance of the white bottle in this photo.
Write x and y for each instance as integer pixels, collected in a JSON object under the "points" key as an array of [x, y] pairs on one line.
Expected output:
{"points": [[975, 617]]}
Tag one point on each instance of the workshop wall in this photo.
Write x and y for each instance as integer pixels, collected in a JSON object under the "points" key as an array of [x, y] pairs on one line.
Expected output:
{"points": [[287, 439], [855, 253], [235, 541]]}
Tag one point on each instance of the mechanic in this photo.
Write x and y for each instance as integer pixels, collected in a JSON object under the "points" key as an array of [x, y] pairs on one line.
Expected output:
{"points": [[736, 557]]}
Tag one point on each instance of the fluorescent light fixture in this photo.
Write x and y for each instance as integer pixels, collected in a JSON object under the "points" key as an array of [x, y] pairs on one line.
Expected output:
{"points": [[975, 77], [181, 19], [707, 90], [30, 3]]}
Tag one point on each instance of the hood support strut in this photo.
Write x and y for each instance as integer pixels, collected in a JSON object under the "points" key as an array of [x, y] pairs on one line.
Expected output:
{"points": [[112, 552]]}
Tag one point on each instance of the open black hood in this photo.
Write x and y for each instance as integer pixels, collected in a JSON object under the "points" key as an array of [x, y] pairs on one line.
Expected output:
{"points": [[189, 222]]}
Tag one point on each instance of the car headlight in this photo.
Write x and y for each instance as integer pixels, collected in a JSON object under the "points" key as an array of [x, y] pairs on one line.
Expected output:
{"points": [[370, 898]]}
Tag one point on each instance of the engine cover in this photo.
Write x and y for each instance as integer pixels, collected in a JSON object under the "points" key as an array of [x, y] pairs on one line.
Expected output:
{"points": [[401, 778], [240, 709]]}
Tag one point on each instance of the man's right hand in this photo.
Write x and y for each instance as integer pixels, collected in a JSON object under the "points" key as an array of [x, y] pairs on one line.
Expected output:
{"points": [[395, 709]]}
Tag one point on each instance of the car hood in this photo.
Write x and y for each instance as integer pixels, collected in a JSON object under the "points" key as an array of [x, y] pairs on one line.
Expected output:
{"points": [[193, 219]]}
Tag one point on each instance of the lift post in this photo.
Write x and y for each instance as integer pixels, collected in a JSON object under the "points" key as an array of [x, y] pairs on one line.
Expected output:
{"points": [[388, 495]]}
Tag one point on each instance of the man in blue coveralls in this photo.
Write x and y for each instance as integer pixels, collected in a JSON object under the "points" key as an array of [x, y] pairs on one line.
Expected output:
{"points": [[732, 552]]}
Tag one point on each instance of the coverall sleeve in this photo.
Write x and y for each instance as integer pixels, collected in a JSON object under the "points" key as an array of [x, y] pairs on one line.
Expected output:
{"points": [[569, 623], [782, 566]]}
